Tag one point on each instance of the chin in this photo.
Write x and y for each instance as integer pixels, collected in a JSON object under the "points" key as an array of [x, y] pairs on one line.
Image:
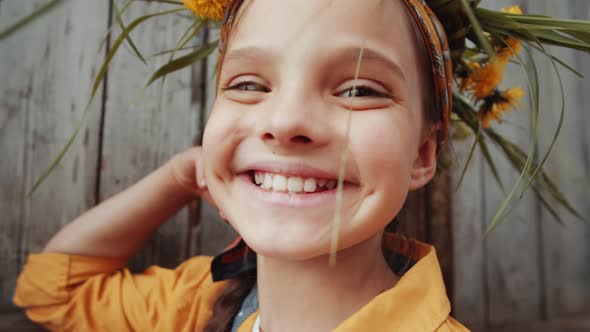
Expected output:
{"points": [[284, 240]]}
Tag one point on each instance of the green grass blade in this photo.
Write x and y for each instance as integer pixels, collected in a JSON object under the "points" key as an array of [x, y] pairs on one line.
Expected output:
{"points": [[559, 125], [548, 206], [119, 19], [469, 157], [172, 2], [28, 19], [559, 39], [97, 81], [184, 61], [172, 50], [61, 153], [465, 111], [559, 61], [500, 216], [483, 40], [120, 40], [488, 157], [561, 199]]}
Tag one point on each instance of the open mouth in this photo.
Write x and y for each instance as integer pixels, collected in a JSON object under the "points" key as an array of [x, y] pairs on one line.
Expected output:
{"points": [[292, 184]]}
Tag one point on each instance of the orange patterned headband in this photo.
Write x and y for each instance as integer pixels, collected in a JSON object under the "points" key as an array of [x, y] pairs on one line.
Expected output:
{"points": [[434, 37]]}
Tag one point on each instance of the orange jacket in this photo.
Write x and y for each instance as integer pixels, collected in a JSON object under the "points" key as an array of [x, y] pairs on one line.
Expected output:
{"points": [[78, 293]]}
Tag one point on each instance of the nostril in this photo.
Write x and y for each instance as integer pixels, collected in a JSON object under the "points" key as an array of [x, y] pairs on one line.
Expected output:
{"points": [[301, 139], [268, 136]]}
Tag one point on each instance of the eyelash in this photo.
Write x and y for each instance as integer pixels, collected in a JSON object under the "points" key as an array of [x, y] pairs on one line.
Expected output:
{"points": [[359, 88], [239, 85]]}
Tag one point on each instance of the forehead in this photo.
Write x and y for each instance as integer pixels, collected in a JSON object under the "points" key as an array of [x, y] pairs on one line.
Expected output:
{"points": [[305, 27]]}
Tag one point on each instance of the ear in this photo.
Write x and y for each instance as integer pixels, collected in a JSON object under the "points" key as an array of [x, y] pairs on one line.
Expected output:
{"points": [[424, 166]]}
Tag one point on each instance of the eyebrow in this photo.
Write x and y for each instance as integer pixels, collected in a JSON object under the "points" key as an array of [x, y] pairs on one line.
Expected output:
{"points": [[347, 54], [247, 53], [351, 54]]}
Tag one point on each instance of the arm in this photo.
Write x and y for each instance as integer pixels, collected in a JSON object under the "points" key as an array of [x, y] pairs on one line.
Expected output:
{"points": [[119, 226]]}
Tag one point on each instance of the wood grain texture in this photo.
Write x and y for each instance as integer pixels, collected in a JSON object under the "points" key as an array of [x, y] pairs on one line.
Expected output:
{"points": [[143, 128], [46, 69], [566, 249], [533, 269], [469, 269], [213, 234], [512, 250]]}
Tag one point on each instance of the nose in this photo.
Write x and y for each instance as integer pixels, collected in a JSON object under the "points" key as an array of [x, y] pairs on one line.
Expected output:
{"points": [[294, 123]]}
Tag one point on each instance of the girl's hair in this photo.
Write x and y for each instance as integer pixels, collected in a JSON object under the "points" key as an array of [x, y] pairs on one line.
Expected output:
{"points": [[230, 301]]}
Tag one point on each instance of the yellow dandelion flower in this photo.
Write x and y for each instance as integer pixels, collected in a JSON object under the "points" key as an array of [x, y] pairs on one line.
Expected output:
{"points": [[512, 48], [208, 9], [486, 77], [513, 45], [466, 76], [515, 9], [513, 95], [497, 104]]}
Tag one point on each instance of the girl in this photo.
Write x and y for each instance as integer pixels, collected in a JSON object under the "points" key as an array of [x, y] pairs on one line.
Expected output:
{"points": [[308, 92]]}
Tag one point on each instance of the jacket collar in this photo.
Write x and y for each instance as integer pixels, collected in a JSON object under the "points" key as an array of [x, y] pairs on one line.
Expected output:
{"points": [[418, 302]]}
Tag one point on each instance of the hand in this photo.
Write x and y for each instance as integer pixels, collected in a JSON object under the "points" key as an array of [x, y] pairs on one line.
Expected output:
{"points": [[187, 169]]}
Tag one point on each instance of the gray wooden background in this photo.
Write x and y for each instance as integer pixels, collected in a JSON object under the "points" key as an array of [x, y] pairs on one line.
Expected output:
{"points": [[529, 269]]}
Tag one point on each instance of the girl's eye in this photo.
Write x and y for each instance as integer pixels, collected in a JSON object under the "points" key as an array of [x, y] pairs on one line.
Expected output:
{"points": [[363, 91], [248, 86]]}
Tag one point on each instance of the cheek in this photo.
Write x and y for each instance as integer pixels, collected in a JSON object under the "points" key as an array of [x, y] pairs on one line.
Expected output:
{"points": [[383, 148], [222, 134]]}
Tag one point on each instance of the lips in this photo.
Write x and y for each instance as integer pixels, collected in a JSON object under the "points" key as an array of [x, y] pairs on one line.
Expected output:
{"points": [[292, 184]]}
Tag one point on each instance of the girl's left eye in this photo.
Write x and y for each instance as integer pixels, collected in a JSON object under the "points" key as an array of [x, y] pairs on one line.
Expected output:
{"points": [[363, 91]]}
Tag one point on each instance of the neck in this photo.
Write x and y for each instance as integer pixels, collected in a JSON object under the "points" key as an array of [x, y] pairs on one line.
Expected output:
{"points": [[310, 295]]}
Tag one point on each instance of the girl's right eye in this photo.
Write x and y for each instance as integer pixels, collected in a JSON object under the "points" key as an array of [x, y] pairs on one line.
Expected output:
{"points": [[247, 86]]}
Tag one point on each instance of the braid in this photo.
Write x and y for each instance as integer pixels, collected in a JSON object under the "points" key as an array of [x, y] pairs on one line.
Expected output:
{"points": [[230, 301]]}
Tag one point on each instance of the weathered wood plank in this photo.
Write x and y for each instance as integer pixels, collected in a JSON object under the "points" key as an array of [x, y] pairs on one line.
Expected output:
{"points": [[570, 324], [566, 249], [469, 278], [212, 233], [139, 138], [18, 322], [512, 250], [47, 69]]}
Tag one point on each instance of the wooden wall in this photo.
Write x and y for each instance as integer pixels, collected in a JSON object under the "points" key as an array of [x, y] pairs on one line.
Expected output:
{"points": [[529, 269], [47, 69]]}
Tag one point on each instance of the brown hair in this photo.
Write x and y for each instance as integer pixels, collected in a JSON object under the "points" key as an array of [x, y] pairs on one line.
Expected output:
{"points": [[230, 301]]}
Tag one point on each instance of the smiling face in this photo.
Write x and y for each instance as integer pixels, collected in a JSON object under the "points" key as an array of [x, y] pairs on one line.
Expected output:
{"points": [[278, 129]]}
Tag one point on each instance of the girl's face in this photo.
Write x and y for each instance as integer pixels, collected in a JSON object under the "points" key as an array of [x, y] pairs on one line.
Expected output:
{"points": [[280, 118]]}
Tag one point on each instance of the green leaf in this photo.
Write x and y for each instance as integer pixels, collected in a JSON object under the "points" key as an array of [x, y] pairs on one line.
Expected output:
{"points": [[184, 61], [44, 9]]}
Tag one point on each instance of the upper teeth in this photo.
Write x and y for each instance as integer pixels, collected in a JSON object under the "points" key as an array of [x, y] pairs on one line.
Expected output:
{"points": [[294, 184]]}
